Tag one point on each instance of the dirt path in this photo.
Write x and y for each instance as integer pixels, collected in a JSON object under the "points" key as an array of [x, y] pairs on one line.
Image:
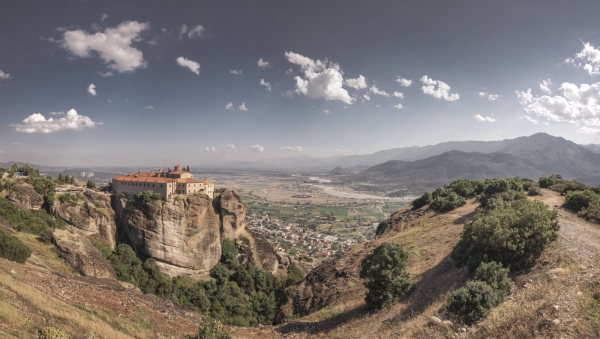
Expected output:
{"points": [[576, 235]]}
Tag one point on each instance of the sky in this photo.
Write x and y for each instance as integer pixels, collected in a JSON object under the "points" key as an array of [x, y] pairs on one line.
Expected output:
{"points": [[139, 83]]}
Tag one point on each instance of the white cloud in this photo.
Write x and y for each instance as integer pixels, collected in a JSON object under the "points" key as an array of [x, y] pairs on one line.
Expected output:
{"points": [[113, 45], [195, 32], [229, 106], [358, 83], [263, 63], [103, 17], [257, 148], [322, 79], [588, 130], [530, 119], [398, 95], [37, 123], [192, 65], [50, 39], [92, 89], [327, 111], [398, 106], [106, 75], [235, 71], [4, 75], [230, 148], [491, 97], [483, 119], [545, 85], [293, 149], [150, 107], [153, 42], [579, 105], [289, 71], [210, 149], [243, 107], [57, 113], [403, 82], [266, 84], [366, 97], [590, 59], [377, 91], [441, 92]]}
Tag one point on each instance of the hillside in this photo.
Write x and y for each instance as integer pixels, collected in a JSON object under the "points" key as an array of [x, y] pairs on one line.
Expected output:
{"points": [[553, 299]]}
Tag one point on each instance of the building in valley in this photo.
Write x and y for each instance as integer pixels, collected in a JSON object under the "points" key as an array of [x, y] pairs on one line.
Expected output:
{"points": [[168, 184]]}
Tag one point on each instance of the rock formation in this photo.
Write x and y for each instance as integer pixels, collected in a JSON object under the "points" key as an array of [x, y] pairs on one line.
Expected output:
{"points": [[25, 197], [90, 212], [81, 254], [184, 236]]}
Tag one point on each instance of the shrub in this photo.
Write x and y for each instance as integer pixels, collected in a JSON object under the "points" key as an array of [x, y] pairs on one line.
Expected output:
{"points": [[528, 183], [496, 186], [496, 276], [229, 250], [545, 182], [448, 203], [515, 184], [578, 200], [385, 275], [591, 213], [440, 192], [464, 188], [507, 196], [210, 328], [514, 235], [295, 275], [146, 197], [51, 333], [567, 186], [534, 190], [472, 302], [425, 199], [12, 248]]}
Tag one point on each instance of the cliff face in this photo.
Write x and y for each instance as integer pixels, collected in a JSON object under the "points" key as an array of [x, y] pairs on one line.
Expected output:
{"points": [[91, 213], [26, 197], [185, 236]]}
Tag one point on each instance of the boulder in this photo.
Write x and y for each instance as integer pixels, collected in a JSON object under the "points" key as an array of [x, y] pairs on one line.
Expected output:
{"points": [[433, 320], [81, 254], [25, 197]]}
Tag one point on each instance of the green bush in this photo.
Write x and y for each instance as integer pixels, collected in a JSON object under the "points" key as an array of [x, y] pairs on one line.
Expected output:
{"points": [[591, 213], [27, 221], [425, 199], [229, 251], [472, 302], [146, 197], [534, 190], [578, 200], [464, 188], [496, 276], [447, 203], [507, 196], [51, 333], [295, 275], [567, 186], [12, 248], [210, 328], [385, 276], [496, 186], [514, 235], [545, 182]]}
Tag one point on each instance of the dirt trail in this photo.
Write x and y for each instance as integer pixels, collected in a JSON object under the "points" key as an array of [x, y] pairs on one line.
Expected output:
{"points": [[576, 235]]}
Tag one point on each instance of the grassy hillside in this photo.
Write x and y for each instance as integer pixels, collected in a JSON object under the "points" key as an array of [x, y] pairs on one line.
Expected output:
{"points": [[557, 297]]}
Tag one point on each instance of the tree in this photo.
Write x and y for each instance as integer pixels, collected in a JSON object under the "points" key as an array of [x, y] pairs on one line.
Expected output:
{"points": [[472, 302], [60, 178], [211, 328], [385, 275]]}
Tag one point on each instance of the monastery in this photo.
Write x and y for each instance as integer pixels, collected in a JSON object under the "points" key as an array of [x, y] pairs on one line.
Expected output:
{"points": [[169, 185]]}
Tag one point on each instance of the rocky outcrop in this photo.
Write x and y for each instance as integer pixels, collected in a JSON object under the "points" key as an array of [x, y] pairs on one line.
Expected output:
{"points": [[184, 236], [253, 247], [25, 197], [90, 212], [182, 233], [81, 254]]}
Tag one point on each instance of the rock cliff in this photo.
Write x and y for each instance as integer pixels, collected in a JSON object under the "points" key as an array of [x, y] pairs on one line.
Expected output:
{"points": [[184, 236], [25, 197], [90, 212]]}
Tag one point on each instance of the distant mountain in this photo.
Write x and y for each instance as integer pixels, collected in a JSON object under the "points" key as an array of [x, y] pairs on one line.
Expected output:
{"points": [[531, 157], [452, 165], [592, 147]]}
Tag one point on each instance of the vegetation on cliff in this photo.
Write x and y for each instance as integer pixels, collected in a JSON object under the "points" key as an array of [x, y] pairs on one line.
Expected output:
{"points": [[34, 222], [239, 294]]}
